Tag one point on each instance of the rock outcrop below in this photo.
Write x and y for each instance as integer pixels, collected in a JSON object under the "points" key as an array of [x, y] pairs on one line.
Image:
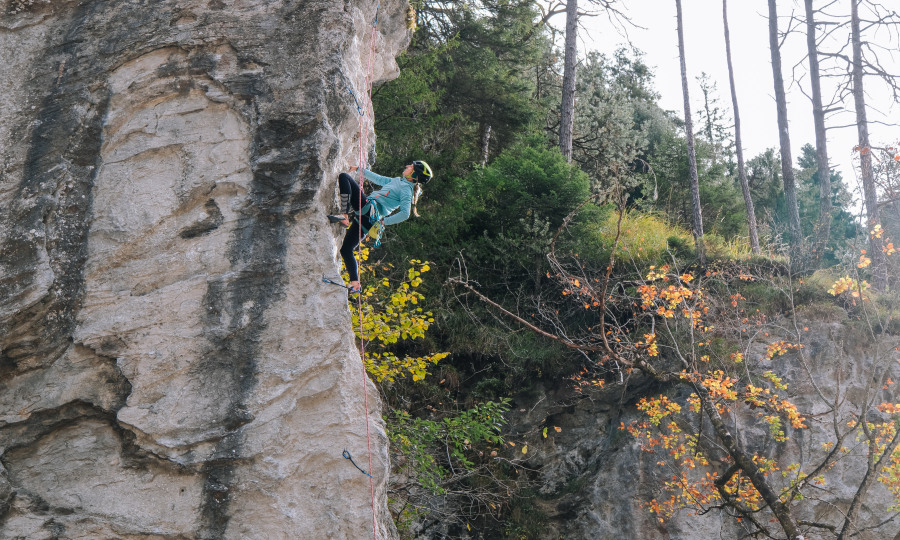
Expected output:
{"points": [[171, 365], [592, 480]]}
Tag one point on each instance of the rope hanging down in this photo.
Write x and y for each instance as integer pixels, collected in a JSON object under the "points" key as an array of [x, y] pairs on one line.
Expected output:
{"points": [[361, 163], [359, 107]]}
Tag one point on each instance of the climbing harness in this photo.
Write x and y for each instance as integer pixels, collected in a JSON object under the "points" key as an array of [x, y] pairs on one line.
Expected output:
{"points": [[376, 229], [375, 232], [348, 456]]}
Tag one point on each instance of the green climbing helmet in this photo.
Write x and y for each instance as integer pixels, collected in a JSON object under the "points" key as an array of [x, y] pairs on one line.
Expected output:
{"points": [[421, 172]]}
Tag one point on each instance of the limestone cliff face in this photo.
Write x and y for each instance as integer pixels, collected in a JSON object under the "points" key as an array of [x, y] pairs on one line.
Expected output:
{"points": [[591, 480], [171, 365]]}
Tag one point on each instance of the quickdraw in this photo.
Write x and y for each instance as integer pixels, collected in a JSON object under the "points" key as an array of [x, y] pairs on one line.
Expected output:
{"points": [[332, 282], [359, 108], [347, 455]]}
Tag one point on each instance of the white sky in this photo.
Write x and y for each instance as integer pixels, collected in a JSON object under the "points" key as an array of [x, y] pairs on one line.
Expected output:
{"points": [[705, 51]]}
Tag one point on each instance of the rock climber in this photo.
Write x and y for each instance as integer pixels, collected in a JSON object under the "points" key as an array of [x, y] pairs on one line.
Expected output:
{"points": [[396, 194]]}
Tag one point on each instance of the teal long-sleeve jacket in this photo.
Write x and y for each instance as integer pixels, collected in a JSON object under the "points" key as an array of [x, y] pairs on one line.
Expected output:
{"points": [[395, 194]]}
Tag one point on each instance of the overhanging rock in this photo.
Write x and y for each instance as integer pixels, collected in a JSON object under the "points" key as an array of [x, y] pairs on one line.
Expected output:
{"points": [[171, 365]]}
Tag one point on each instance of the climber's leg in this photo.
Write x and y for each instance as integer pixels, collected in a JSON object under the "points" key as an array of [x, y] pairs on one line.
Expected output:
{"points": [[351, 242], [352, 198]]}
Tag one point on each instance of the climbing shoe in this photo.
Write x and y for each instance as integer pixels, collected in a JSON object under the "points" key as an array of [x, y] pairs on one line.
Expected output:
{"points": [[338, 218]]}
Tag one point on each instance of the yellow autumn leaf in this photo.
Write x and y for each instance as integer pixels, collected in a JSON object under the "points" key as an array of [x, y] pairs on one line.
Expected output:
{"points": [[525, 449]]}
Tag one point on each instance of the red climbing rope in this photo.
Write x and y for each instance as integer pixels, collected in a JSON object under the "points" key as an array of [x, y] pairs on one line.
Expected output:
{"points": [[364, 125]]}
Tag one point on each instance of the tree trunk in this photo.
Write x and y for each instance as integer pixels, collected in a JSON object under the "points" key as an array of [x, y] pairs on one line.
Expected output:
{"points": [[870, 194], [689, 133], [567, 108], [742, 174], [708, 128], [823, 227], [744, 461], [787, 162], [485, 143], [873, 471]]}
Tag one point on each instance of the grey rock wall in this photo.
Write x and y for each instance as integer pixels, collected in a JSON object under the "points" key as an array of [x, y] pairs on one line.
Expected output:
{"points": [[590, 481], [171, 365]]}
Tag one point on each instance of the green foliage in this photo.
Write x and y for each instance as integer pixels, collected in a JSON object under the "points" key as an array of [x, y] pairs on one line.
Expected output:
{"points": [[645, 238], [486, 67], [722, 204], [500, 218], [719, 247], [612, 120], [516, 204], [488, 387], [389, 317], [764, 175], [715, 122], [391, 314], [412, 121], [527, 178], [843, 223], [453, 439], [406, 517], [466, 69], [526, 519]]}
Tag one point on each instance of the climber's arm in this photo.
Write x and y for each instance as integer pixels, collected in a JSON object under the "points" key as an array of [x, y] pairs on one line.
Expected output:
{"points": [[376, 179], [402, 213]]}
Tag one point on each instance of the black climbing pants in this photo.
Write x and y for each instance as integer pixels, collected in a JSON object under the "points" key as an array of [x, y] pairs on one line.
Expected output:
{"points": [[348, 186]]}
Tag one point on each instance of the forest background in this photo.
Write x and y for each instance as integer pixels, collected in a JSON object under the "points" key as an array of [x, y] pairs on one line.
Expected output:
{"points": [[585, 240], [704, 47]]}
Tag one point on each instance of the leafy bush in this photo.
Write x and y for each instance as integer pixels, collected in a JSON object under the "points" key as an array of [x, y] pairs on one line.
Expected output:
{"points": [[419, 440], [645, 238], [391, 314], [719, 247]]}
